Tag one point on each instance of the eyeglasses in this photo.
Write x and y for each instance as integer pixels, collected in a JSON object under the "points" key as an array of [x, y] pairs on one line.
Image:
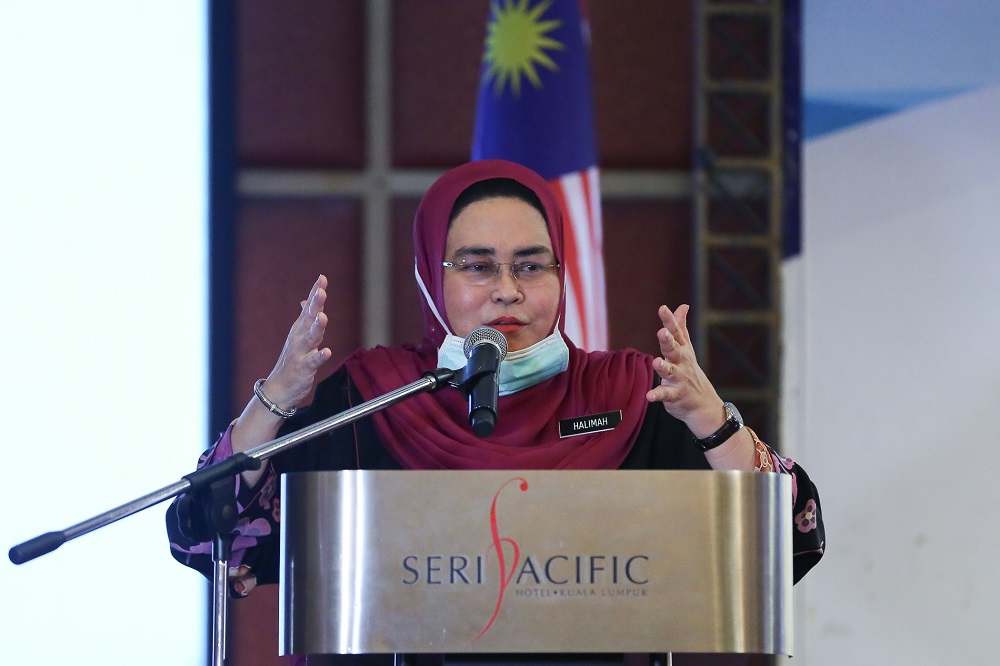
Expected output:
{"points": [[480, 272]]}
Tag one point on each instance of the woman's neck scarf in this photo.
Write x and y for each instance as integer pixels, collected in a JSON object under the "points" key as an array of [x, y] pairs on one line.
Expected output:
{"points": [[431, 431]]}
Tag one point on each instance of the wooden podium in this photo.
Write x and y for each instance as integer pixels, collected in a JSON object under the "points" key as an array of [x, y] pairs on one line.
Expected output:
{"points": [[536, 561]]}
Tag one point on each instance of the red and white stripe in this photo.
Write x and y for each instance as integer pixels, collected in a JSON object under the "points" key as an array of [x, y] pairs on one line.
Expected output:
{"points": [[586, 303]]}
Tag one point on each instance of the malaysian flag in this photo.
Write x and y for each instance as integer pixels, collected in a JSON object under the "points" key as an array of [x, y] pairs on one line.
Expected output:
{"points": [[536, 108]]}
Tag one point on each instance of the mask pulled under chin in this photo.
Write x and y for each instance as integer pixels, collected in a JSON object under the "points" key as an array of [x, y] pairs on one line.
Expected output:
{"points": [[520, 369]]}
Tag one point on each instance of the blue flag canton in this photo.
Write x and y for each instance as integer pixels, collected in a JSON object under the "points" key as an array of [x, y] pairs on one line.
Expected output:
{"points": [[535, 101]]}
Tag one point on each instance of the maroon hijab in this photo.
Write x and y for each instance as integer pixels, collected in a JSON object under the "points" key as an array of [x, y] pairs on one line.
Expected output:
{"points": [[431, 431]]}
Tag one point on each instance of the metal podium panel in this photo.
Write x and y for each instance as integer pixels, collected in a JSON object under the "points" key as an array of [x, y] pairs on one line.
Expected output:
{"points": [[536, 561]]}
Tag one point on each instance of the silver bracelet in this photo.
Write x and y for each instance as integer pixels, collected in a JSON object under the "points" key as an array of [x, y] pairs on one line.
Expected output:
{"points": [[271, 407]]}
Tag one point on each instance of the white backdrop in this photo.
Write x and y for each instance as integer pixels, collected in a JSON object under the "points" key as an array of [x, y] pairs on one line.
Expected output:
{"points": [[898, 282], [103, 272], [890, 372]]}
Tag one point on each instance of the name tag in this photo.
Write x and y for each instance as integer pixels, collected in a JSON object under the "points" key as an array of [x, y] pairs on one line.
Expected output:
{"points": [[584, 425]]}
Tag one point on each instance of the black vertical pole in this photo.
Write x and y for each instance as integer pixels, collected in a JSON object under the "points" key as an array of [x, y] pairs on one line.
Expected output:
{"points": [[222, 211], [222, 205], [791, 81]]}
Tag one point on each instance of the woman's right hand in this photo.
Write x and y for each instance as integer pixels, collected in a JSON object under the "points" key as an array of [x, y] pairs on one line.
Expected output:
{"points": [[292, 377]]}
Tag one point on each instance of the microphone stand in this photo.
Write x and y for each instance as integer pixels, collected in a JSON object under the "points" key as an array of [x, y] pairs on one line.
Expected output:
{"points": [[210, 502]]}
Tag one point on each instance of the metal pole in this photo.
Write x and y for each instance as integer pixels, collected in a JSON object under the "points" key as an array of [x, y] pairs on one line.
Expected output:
{"points": [[220, 600]]}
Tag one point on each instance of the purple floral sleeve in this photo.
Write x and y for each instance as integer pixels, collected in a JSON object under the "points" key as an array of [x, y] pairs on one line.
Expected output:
{"points": [[259, 512]]}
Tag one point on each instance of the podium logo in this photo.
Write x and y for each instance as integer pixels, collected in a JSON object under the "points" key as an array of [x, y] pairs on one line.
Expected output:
{"points": [[549, 575], [506, 574]]}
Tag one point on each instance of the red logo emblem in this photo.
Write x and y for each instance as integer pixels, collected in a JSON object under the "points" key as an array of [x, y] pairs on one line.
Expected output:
{"points": [[499, 545]]}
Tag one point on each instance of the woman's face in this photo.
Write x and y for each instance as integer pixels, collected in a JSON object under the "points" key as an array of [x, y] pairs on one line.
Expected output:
{"points": [[505, 231]]}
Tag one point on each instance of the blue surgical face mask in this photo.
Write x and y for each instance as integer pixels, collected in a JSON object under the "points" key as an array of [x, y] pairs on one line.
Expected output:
{"points": [[520, 369]]}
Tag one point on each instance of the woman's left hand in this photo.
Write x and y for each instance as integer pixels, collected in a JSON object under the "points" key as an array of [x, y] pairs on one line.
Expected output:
{"points": [[684, 389]]}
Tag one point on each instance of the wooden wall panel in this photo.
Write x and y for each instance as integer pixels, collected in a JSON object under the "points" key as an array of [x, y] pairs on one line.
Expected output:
{"points": [[647, 257], [407, 316], [283, 245], [301, 83], [437, 50], [253, 629], [642, 60]]}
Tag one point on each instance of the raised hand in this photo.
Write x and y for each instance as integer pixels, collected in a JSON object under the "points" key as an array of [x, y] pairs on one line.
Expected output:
{"points": [[684, 390], [290, 381], [294, 373]]}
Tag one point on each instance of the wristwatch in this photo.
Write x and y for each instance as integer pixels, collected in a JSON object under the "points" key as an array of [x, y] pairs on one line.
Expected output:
{"points": [[732, 425]]}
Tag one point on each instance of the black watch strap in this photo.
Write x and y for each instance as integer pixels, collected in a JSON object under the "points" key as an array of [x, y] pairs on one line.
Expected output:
{"points": [[732, 425]]}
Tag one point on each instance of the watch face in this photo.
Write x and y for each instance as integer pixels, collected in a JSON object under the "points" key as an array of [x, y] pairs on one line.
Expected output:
{"points": [[733, 413]]}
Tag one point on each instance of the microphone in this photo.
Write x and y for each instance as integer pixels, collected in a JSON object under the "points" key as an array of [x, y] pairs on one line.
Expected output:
{"points": [[485, 348]]}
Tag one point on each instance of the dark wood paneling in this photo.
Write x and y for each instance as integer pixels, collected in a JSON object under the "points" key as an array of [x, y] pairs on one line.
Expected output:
{"points": [[642, 63], [407, 323], [437, 50], [647, 256], [301, 83], [253, 629], [283, 246]]}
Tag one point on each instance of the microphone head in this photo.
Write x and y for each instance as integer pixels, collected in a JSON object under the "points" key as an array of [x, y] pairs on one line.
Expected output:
{"points": [[486, 335]]}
